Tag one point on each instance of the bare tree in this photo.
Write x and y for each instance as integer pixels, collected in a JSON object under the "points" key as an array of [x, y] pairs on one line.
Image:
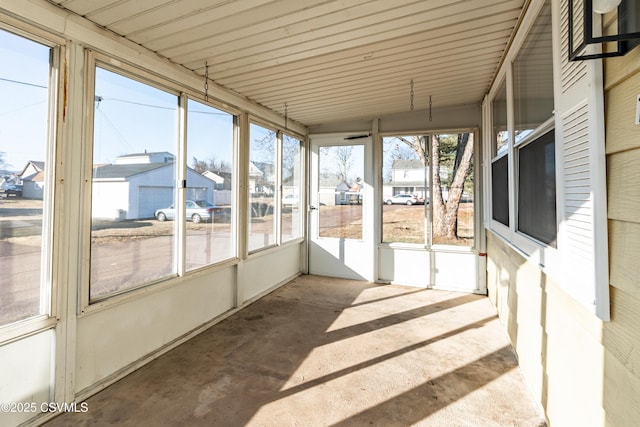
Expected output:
{"points": [[199, 166], [453, 152], [3, 162], [419, 144], [213, 165], [290, 149], [445, 213], [343, 156], [225, 166]]}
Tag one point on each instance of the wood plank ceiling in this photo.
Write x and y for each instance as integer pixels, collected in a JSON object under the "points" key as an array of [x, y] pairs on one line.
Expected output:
{"points": [[327, 60]]}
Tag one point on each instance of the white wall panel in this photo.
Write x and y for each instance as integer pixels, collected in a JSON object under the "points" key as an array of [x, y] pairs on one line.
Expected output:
{"points": [[263, 271], [25, 376], [110, 340], [404, 266], [456, 271], [441, 269]]}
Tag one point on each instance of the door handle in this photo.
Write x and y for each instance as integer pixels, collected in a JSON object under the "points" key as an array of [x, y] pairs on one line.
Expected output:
{"points": [[312, 208]]}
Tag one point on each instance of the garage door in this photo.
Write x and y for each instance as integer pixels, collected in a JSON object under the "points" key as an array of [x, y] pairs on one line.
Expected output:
{"points": [[152, 198]]}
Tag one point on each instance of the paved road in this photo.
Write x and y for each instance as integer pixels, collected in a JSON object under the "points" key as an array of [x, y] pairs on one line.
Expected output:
{"points": [[115, 267], [19, 281], [124, 262]]}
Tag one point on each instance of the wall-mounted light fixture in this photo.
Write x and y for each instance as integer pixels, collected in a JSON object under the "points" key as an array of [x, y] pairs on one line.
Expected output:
{"points": [[581, 26]]}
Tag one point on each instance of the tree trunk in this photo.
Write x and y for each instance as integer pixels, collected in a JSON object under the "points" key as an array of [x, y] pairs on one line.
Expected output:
{"points": [[437, 200], [445, 215]]}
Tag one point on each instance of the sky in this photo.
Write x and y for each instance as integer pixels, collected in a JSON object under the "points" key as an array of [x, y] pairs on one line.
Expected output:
{"points": [[333, 158], [133, 117], [130, 117], [24, 74]]}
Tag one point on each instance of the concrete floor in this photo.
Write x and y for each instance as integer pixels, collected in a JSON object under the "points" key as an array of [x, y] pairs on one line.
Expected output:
{"points": [[329, 352]]}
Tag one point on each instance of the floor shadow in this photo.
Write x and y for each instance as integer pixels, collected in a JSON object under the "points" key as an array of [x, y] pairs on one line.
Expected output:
{"points": [[373, 361], [396, 318], [277, 362], [357, 304], [425, 400]]}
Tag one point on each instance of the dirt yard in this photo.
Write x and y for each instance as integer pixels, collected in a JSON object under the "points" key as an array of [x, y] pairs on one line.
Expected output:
{"points": [[21, 241], [401, 223]]}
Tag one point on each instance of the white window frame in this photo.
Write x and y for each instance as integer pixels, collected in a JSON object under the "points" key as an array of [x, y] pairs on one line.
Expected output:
{"points": [[97, 60], [550, 260], [51, 225], [538, 253], [94, 59], [427, 238], [301, 189], [276, 195], [234, 258], [428, 244], [277, 199], [506, 78]]}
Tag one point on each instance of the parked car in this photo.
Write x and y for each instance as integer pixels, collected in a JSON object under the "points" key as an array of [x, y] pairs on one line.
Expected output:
{"points": [[197, 211], [11, 191], [403, 199]]}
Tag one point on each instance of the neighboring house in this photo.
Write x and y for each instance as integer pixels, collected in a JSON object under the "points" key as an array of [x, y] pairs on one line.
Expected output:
{"points": [[31, 168], [327, 190], [215, 178], [290, 183], [255, 176], [410, 177], [228, 181], [8, 178], [342, 194], [222, 192], [336, 192], [136, 191], [32, 178], [33, 186], [407, 177], [140, 158], [261, 177]]}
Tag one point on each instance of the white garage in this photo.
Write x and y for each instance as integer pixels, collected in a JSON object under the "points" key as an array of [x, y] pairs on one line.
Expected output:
{"points": [[136, 191]]}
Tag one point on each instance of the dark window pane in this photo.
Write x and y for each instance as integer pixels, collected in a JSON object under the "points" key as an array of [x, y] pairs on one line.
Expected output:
{"points": [[500, 190], [537, 189]]}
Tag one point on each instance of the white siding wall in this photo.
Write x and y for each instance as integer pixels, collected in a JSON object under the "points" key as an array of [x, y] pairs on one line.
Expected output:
{"points": [[109, 199]]}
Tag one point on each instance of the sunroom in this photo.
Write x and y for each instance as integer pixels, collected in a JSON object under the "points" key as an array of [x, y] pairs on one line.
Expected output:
{"points": [[202, 154]]}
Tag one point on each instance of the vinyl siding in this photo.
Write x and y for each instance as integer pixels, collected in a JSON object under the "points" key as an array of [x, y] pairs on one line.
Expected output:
{"points": [[581, 370], [621, 336]]}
